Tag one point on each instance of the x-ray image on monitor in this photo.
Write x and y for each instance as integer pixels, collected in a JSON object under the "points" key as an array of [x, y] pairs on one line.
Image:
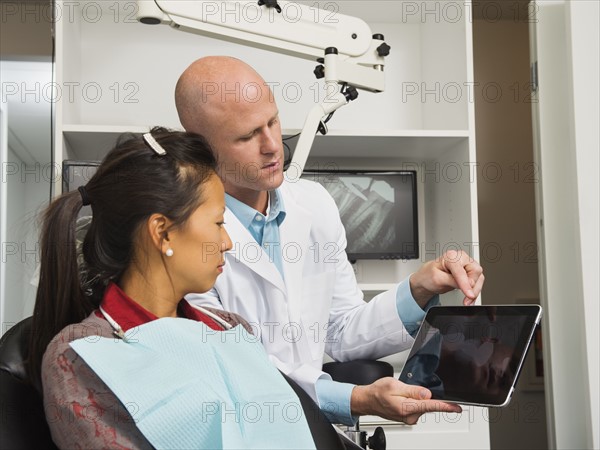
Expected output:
{"points": [[378, 210]]}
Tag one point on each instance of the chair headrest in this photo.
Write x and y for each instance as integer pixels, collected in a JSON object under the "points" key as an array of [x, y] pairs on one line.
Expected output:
{"points": [[14, 350], [360, 372]]}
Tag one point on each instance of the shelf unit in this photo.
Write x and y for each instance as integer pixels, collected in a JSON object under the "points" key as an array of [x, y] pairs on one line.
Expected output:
{"points": [[118, 76]]}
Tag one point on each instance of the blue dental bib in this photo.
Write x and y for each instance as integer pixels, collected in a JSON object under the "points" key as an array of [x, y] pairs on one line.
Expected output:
{"points": [[188, 386]]}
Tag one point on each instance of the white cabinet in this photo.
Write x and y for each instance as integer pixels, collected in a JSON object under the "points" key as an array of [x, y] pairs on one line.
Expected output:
{"points": [[117, 75]]}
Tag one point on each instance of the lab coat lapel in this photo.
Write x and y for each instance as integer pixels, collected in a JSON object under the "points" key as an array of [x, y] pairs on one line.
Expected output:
{"points": [[294, 234], [249, 253]]}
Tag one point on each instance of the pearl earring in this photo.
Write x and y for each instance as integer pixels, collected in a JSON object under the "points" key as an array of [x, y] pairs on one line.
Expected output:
{"points": [[169, 252]]}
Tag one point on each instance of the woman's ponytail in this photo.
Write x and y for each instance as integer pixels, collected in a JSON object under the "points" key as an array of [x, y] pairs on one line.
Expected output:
{"points": [[60, 298]]}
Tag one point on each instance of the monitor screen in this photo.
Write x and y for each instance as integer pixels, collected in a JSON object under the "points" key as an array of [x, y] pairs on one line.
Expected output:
{"points": [[378, 210]]}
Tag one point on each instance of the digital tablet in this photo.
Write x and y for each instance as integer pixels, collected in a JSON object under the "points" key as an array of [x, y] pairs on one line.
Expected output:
{"points": [[471, 355]]}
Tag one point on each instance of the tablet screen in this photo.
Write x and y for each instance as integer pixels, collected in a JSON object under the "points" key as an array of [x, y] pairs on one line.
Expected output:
{"points": [[471, 354]]}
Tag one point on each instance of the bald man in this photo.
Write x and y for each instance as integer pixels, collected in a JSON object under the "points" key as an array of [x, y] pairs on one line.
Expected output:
{"points": [[288, 273]]}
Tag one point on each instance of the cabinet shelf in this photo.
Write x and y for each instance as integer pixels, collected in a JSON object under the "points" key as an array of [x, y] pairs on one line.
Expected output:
{"points": [[412, 144], [376, 287], [92, 142]]}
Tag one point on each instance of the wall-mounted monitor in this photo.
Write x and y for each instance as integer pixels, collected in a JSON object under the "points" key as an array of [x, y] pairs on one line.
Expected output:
{"points": [[378, 210]]}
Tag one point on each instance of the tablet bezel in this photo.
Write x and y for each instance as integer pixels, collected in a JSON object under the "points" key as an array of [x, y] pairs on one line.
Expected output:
{"points": [[532, 315]]}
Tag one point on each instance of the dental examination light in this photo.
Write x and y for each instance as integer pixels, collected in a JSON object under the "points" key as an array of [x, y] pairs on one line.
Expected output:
{"points": [[349, 56]]}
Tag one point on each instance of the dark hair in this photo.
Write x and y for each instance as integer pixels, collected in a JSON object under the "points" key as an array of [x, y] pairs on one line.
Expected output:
{"points": [[132, 183]]}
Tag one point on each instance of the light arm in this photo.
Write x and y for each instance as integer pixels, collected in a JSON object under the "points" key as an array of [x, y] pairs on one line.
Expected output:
{"points": [[297, 30], [307, 136]]}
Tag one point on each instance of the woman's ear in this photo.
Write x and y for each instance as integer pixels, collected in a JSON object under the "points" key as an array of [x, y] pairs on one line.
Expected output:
{"points": [[158, 226]]}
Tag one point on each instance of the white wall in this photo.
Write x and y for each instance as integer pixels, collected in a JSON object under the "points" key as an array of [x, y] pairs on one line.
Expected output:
{"points": [[26, 176], [25, 52], [582, 17], [566, 118], [20, 249], [3, 200]]}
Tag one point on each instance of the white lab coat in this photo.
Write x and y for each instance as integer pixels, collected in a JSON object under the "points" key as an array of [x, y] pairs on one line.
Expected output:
{"points": [[319, 308]]}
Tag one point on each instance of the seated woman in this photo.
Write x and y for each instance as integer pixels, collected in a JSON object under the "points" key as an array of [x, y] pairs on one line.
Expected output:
{"points": [[124, 361]]}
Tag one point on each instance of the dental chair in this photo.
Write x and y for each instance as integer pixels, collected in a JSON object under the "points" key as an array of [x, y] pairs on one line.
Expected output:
{"points": [[22, 419], [23, 423]]}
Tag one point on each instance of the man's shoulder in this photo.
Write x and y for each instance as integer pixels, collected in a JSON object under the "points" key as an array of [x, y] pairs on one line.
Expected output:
{"points": [[305, 192]]}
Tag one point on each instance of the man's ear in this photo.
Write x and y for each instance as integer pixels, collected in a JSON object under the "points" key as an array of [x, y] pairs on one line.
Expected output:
{"points": [[158, 226]]}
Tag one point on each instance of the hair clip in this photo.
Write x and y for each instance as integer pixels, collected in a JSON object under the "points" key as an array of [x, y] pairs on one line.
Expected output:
{"points": [[153, 144]]}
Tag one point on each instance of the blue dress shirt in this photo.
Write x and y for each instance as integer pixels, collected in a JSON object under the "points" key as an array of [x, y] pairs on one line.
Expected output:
{"points": [[264, 229]]}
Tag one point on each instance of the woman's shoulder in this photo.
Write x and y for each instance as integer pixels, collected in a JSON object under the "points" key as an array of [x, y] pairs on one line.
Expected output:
{"points": [[81, 410], [89, 328], [62, 368]]}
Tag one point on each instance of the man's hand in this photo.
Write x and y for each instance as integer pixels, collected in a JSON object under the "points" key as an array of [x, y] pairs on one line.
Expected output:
{"points": [[393, 400], [453, 270]]}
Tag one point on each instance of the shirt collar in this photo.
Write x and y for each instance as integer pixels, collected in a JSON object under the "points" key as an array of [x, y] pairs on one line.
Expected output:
{"points": [[129, 314], [246, 214], [276, 206]]}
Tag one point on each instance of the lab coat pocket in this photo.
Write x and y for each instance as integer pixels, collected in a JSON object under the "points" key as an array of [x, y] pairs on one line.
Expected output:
{"points": [[317, 293]]}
